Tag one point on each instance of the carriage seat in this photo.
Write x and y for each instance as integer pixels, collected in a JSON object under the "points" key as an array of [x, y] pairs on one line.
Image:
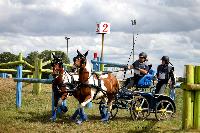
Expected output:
{"points": [[124, 93]]}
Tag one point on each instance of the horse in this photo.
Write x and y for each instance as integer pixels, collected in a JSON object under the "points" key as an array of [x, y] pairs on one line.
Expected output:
{"points": [[90, 88], [61, 85]]}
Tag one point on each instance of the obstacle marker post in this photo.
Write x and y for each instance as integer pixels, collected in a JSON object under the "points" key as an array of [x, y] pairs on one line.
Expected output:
{"points": [[37, 74], [191, 98], [19, 84], [197, 99]]}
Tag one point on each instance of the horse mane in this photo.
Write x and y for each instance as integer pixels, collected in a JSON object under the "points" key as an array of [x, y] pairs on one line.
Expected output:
{"points": [[88, 67], [85, 72]]}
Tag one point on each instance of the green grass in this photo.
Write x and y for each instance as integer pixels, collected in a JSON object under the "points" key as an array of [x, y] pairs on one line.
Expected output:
{"points": [[34, 116]]}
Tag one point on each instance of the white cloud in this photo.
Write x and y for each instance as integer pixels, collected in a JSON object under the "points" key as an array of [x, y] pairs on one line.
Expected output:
{"points": [[165, 27]]}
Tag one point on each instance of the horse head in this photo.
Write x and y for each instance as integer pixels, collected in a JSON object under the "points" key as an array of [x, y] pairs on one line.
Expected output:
{"points": [[80, 60], [62, 84], [83, 66], [57, 65]]}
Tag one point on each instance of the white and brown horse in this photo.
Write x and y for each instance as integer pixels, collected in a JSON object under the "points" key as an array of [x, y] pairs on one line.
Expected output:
{"points": [[89, 89], [61, 85]]}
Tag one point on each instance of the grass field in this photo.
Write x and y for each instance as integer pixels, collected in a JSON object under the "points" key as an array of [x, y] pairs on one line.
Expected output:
{"points": [[34, 116]]}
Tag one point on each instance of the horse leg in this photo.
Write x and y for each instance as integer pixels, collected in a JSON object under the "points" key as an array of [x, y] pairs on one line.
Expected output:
{"points": [[61, 103], [102, 108], [83, 116], [76, 113], [107, 116], [55, 108], [80, 112]]}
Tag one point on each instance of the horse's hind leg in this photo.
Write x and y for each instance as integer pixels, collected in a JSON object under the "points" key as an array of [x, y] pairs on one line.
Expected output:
{"points": [[102, 108], [107, 116]]}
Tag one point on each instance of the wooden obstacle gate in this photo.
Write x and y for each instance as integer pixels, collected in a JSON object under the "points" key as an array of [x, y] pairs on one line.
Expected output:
{"points": [[191, 97]]}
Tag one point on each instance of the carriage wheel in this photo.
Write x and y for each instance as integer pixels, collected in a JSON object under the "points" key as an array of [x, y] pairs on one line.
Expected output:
{"points": [[139, 108], [114, 110], [164, 110]]}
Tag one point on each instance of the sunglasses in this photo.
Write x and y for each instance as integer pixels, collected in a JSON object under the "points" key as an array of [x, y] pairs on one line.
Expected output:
{"points": [[141, 57]]}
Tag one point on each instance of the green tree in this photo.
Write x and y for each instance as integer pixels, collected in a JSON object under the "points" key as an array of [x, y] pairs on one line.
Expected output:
{"points": [[31, 57], [8, 57], [46, 56]]}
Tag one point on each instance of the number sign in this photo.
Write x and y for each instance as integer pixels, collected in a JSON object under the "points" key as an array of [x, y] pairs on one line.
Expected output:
{"points": [[103, 27]]}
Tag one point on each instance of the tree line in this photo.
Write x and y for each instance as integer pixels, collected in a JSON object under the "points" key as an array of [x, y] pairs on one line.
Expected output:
{"points": [[45, 55]]}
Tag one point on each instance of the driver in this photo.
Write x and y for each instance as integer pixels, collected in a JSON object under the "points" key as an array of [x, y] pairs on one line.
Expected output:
{"points": [[140, 69]]}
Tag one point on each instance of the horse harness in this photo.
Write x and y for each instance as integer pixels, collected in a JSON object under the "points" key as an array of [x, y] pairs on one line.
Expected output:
{"points": [[97, 87], [62, 84]]}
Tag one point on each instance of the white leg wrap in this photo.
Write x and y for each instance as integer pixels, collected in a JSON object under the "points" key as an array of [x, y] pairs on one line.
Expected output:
{"points": [[60, 102], [86, 102], [109, 106]]}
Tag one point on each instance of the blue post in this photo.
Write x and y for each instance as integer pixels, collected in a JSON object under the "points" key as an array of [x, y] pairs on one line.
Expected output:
{"points": [[3, 75], [94, 66], [19, 87], [98, 65]]}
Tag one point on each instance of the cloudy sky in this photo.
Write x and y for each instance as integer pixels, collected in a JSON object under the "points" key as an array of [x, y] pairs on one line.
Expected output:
{"points": [[164, 27]]}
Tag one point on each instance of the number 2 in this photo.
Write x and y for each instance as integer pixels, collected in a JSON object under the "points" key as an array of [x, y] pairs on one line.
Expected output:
{"points": [[105, 29]]}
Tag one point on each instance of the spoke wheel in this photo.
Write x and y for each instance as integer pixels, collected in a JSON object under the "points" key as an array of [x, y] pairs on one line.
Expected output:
{"points": [[164, 110], [139, 108]]}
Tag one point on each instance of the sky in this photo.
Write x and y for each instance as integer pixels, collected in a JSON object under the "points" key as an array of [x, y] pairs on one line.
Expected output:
{"points": [[164, 27]]}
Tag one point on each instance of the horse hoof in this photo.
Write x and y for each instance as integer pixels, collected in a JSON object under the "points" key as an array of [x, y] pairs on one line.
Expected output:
{"points": [[104, 120], [73, 119], [53, 119]]}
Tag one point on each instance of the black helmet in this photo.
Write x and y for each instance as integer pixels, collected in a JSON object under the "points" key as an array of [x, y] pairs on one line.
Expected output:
{"points": [[143, 54], [166, 59]]}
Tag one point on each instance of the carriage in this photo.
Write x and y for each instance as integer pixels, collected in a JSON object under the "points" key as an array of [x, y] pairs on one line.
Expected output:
{"points": [[141, 103]]}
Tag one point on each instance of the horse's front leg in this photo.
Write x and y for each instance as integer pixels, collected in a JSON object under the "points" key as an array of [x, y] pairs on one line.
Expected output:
{"points": [[62, 103], [54, 110], [80, 111]]}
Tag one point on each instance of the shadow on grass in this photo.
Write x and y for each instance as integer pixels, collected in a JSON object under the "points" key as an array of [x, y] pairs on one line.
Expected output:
{"points": [[44, 118], [152, 128]]}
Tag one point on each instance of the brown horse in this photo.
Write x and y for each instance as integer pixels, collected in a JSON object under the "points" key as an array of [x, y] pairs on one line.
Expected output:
{"points": [[60, 85], [106, 87]]}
